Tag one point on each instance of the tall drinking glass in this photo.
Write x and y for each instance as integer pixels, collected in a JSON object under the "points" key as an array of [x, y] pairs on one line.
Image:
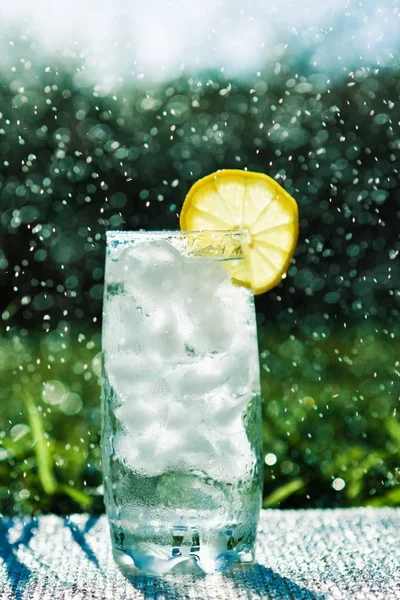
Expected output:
{"points": [[181, 438]]}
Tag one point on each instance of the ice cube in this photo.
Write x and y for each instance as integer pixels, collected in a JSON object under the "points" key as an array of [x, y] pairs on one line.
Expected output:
{"points": [[129, 374], [205, 374], [189, 490], [124, 323], [137, 416], [227, 410], [144, 266], [126, 449], [158, 448], [165, 335]]}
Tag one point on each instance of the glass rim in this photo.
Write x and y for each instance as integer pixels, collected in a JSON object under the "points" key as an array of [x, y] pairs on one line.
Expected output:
{"points": [[131, 233], [221, 244]]}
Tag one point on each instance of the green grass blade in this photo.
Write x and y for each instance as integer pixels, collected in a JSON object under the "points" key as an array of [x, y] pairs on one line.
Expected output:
{"points": [[42, 452], [393, 427], [283, 492], [391, 498], [78, 496]]}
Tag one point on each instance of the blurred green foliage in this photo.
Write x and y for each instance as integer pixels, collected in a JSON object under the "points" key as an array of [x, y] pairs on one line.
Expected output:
{"points": [[331, 432], [77, 159], [49, 452]]}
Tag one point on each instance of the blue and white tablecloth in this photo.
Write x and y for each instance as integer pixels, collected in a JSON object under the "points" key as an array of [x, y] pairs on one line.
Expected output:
{"points": [[302, 555]]}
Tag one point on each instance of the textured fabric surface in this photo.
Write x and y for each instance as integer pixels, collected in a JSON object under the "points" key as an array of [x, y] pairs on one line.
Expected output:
{"points": [[303, 554]]}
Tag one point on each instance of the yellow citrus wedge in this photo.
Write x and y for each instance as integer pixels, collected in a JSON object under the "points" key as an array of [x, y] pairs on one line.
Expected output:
{"points": [[231, 199]]}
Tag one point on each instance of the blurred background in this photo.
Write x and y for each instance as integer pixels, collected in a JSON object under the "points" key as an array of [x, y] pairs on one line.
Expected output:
{"points": [[108, 114]]}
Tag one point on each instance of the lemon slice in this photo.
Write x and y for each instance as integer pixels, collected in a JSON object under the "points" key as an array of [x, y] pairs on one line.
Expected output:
{"points": [[253, 202]]}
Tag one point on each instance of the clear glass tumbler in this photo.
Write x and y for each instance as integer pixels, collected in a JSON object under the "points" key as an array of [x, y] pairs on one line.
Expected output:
{"points": [[182, 435]]}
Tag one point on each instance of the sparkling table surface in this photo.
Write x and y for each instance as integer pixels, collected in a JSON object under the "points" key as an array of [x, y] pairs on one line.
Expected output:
{"points": [[301, 554]]}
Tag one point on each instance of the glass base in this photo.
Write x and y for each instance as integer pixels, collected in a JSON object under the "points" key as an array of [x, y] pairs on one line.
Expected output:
{"points": [[185, 550], [152, 566]]}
